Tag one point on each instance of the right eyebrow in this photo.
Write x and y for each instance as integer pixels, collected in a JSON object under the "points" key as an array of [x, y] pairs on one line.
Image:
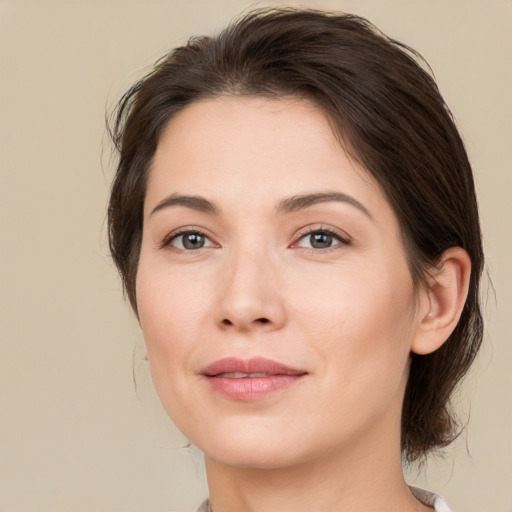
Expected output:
{"points": [[194, 202], [303, 201]]}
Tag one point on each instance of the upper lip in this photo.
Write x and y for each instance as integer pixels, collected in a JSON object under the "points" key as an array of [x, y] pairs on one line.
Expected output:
{"points": [[254, 365]]}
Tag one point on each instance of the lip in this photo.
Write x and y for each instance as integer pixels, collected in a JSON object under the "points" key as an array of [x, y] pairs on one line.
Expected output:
{"points": [[250, 379]]}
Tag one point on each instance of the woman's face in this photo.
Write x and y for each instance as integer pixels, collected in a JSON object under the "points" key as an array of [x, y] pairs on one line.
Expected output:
{"points": [[273, 289]]}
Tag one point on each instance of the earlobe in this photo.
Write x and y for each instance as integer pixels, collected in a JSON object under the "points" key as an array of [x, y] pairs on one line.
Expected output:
{"points": [[444, 300]]}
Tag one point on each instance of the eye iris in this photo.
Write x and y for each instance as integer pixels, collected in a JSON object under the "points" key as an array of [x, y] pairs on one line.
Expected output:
{"points": [[320, 240], [193, 241]]}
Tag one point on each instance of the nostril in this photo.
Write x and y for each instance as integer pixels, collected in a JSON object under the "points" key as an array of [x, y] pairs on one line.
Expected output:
{"points": [[228, 322]]}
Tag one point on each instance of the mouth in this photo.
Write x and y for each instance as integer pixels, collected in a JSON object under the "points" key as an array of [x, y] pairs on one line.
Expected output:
{"points": [[250, 379]]}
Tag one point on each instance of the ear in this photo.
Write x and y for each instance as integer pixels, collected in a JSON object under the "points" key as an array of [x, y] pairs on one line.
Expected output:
{"points": [[442, 301]]}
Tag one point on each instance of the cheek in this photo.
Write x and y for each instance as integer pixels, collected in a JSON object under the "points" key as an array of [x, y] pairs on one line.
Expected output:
{"points": [[169, 311], [361, 323], [167, 301], [354, 298]]}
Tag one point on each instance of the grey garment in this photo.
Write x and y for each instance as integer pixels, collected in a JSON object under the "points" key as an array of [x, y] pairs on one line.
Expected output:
{"points": [[431, 499], [205, 506], [426, 497]]}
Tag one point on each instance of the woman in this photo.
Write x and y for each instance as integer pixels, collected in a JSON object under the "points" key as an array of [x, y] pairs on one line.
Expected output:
{"points": [[295, 223]]}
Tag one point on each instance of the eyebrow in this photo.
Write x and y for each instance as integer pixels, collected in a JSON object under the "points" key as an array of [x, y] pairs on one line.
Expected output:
{"points": [[288, 205], [194, 202], [300, 202]]}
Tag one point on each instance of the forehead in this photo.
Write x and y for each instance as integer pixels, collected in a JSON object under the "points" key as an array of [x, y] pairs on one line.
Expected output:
{"points": [[256, 149]]}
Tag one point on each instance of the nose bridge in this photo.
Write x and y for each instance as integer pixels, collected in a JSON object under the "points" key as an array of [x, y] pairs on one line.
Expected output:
{"points": [[249, 295]]}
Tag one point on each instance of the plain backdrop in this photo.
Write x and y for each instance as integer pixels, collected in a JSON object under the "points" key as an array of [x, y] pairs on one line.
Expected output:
{"points": [[76, 433]]}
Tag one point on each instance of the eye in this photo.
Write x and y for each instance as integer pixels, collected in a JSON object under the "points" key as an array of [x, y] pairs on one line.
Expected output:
{"points": [[189, 241], [320, 239]]}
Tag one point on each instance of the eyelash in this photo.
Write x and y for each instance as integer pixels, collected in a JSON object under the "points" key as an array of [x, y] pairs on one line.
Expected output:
{"points": [[342, 240], [181, 233]]}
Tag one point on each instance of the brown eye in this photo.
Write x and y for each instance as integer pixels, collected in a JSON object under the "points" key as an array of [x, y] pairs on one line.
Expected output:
{"points": [[190, 241], [320, 239]]}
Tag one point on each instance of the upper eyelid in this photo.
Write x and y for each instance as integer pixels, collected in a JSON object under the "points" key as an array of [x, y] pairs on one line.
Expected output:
{"points": [[344, 237], [183, 231]]}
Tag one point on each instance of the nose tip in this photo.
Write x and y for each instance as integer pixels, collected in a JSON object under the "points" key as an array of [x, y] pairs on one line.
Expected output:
{"points": [[249, 297], [249, 317]]}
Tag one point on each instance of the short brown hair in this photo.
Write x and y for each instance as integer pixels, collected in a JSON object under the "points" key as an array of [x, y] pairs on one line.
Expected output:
{"points": [[388, 114]]}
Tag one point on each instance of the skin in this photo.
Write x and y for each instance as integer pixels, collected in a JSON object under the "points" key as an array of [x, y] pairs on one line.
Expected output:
{"points": [[348, 314]]}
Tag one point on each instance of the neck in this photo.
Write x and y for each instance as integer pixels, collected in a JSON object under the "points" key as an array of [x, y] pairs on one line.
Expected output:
{"points": [[351, 479]]}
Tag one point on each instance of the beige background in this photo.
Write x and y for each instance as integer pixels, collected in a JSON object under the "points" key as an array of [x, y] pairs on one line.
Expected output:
{"points": [[74, 435]]}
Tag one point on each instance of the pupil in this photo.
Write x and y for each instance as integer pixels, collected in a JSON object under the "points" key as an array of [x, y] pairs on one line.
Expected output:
{"points": [[321, 240], [193, 241]]}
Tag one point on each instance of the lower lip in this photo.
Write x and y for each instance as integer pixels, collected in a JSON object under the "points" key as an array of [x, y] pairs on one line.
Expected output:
{"points": [[247, 389]]}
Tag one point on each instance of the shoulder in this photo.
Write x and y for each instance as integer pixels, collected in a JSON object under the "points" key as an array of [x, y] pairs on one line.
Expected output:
{"points": [[429, 498], [426, 497], [205, 506]]}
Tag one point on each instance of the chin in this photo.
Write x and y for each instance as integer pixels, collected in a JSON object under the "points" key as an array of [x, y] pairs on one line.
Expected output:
{"points": [[254, 457], [250, 449]]}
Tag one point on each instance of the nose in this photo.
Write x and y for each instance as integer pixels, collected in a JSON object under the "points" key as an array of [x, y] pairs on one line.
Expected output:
{"points": [[249, 296]]}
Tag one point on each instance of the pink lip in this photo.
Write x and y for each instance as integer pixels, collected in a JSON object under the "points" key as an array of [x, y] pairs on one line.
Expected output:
{"points": [[220, 378]]}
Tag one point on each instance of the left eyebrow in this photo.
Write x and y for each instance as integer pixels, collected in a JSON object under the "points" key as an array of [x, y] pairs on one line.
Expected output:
{"points": [[194, 202], [300, 202]]}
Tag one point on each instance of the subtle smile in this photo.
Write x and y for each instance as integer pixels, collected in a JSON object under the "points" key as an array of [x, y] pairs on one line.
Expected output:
{"points": [[250, 379]]}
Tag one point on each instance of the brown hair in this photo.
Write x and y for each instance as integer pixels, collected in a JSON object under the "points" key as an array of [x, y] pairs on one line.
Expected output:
{"points": [[388, 114]]}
